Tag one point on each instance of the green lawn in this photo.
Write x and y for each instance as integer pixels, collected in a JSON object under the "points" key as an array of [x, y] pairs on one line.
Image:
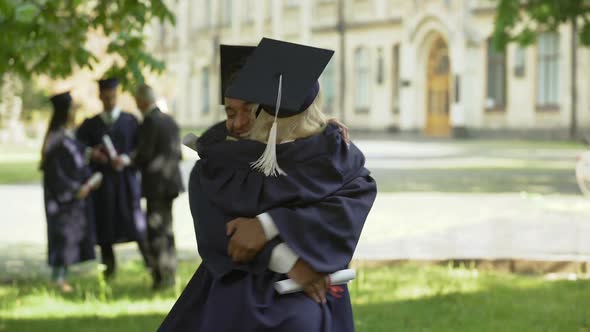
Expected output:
{"points": [[19, 172], [478, 180], [402, 298], [19, 164]]}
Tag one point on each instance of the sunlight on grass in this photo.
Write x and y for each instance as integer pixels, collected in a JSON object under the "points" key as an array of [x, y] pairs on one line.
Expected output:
{"points": [[409, 297]]}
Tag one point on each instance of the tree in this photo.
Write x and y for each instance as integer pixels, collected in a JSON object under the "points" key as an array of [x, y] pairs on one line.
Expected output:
{"points": [[521, 21], [49, 37]]}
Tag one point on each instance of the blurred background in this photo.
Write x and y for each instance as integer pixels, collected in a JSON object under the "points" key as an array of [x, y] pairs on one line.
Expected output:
{"points": [[471, 113]]}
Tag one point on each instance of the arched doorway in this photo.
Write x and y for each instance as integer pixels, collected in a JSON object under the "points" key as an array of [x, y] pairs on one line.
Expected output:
{"points": [[438, 81]]}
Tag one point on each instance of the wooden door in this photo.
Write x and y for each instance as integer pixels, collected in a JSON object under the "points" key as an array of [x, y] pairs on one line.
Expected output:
{"points": [[438, 93]]}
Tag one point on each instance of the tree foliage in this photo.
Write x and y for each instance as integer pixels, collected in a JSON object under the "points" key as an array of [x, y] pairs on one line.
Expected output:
{"points": [[521, 20], [49, 37]]}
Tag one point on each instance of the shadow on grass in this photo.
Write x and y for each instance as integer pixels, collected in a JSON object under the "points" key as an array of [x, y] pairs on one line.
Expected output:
{"points": [[555, 306], [127, 323]]}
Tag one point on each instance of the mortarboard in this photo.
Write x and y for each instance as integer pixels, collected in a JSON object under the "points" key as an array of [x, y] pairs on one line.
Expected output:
{"points": [[232, 59], [108, 83], [283, 78], [300, 67], [61, 102]]}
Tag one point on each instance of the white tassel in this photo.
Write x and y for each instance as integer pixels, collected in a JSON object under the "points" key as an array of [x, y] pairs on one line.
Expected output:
{"points": [[267, 163]]}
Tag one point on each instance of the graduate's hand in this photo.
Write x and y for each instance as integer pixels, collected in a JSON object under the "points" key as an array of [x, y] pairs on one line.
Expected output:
{"points": [[118, 163], [247, 239], [96, 185], [314, 284], [98, 156], [84, 192], [343, 130]]}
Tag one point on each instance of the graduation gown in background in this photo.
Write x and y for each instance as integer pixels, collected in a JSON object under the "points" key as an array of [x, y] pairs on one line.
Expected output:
{"points": [[118, 213], [69, 225], [319, 208]]}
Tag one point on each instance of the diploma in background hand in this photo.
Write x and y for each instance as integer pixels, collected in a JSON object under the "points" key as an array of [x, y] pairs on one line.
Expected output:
{"points": [[108, 144]]}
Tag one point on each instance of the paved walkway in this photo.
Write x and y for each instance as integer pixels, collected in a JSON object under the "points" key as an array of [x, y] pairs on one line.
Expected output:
{"points": [[400, 226], [450, 200]]}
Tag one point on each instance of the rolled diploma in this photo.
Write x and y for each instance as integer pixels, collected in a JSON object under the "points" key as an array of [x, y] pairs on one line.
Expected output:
{"points": [[94, 179], [337, 278], [109, 146]]}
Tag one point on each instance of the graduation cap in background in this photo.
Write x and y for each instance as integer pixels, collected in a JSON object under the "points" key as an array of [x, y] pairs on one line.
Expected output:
{"points": [[283, 78], [233, 58], [108, 83], [61, 102]]}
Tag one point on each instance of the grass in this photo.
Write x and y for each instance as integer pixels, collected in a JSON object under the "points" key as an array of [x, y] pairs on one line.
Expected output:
{"points": [[19, 172], [478, 180], [402, 298], [19, 164]]}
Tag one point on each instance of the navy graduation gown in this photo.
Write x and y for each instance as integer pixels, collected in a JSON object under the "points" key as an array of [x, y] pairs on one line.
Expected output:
{"points": [[320, 208], [118, 213], [69, 225]]}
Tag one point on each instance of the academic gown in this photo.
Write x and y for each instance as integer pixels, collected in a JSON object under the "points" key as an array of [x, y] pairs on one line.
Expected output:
{"points": [[118, 213], [319, 208], [69, 224]]}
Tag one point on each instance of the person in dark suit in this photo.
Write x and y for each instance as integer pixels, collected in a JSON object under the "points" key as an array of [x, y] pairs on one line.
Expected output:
{"points": [[112, 135], [158, 157]]}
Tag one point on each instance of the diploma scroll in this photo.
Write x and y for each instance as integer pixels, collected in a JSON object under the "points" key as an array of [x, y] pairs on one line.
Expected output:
{"points": [[108, 144], [337, 278], [94, 179]]}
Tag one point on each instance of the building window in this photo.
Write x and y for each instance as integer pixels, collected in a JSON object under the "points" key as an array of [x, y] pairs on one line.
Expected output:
{"points": [[548, 70], [292, 3], [249, 11], [227, 12], [519, 62], [207, 14], [362, 80], [205, 91], [380, 65], [328, 88], [269, 9], [496, 78], [395, 62]]}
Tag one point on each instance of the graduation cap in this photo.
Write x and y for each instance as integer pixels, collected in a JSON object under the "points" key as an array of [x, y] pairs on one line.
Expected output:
{"points": [[233, 58], [283, 78], [108, 83], [61, 102], [300, 67]]}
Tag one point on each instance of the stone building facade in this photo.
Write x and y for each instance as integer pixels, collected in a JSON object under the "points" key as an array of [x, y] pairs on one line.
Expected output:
{"points": [[422, 66]]}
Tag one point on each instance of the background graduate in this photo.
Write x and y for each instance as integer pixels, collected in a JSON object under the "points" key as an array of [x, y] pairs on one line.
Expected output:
{"points": [[118, 214], [65, 173]]}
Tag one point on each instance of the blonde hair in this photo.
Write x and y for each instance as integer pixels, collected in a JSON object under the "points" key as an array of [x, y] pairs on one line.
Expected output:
{"points": [[307, 123]]}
